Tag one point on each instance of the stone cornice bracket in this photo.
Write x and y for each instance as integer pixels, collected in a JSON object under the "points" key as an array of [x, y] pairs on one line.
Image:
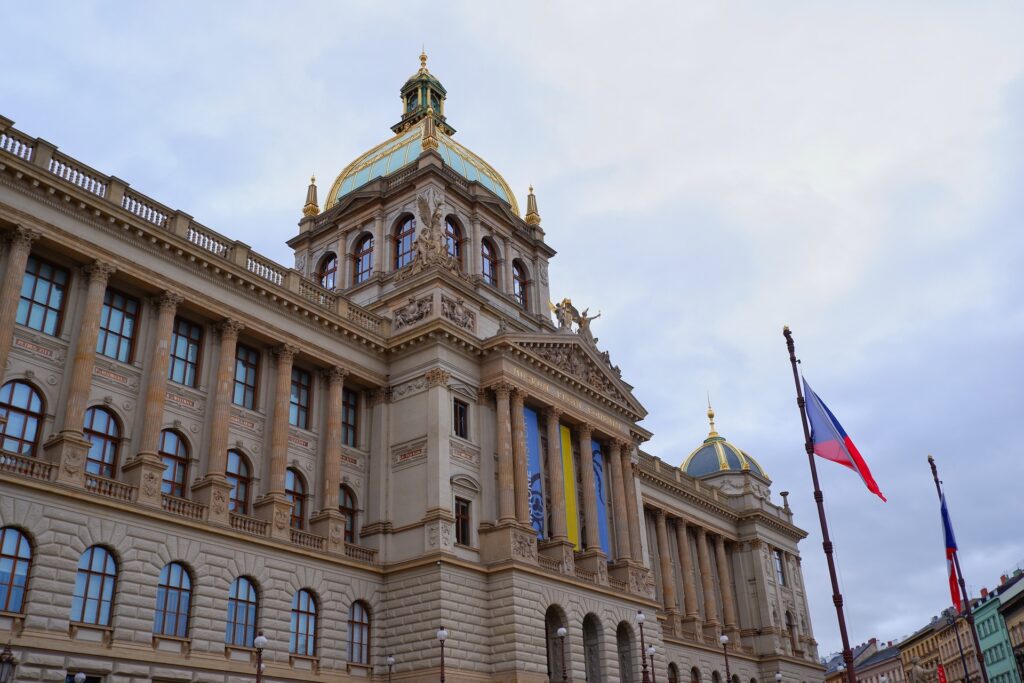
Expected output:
{"points": [[334, 374], [167, 300], [285, 352], [99, 271], [436, 377], [229, 328], [22, 236]]}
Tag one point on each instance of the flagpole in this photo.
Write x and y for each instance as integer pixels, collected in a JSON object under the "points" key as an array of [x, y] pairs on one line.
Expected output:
{"points": [[969, 614], [826, 544]]}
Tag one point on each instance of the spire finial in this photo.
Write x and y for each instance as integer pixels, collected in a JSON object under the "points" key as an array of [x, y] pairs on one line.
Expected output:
{"points": [[532, 215], [311, 208], [711, 418], [423, 58]]}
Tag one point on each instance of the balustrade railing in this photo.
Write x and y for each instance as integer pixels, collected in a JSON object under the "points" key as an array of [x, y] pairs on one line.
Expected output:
{"points": [[145, 208], [617, 584], [207, 239], [109, 488], [183, 508], [308, 540], [13, 145], [67, 169], [249, 525], [318, 295], [358, 552], [549, 563], [265, 268], [366, 320], [25, 466], [586, 574]]}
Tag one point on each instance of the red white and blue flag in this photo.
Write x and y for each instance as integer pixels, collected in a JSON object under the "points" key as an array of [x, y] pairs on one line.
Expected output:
{"points": [[947, 530], [832, 442]]}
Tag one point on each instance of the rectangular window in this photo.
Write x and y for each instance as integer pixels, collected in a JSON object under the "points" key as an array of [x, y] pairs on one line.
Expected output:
{"points": [[42, 296], [780, 566], [460, 415], [186, 342], [247, 365], [349, 418], [462, 522], [298, 409], [117, 326]]}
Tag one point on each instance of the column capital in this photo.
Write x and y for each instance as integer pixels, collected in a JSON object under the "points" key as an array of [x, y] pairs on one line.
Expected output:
{"points": [[518, 397], [229, 328], [285, 352], [552, 413], [437, 377], [380, 396], [167, 301], [99, 271], [585, 429], [502, 390], [22, 236], [659, 513], [334, 374]]}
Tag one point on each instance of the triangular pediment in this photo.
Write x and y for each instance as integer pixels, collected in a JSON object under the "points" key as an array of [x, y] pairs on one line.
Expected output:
{"points": [[584, 363]]}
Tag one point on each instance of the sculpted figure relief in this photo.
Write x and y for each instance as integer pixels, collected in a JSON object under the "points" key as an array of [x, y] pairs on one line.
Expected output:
{"points": [[917, 673], [430, 248], [566, 314]]}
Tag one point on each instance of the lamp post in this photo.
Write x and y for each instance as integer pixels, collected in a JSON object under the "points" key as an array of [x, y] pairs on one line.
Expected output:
{"points": [[650, 653], [561, 639], [778, 677], [951, 620], [391, 662], [643, 647], [442, 635], [6, 664], [79, 677], [724, 640], [259, 642]]}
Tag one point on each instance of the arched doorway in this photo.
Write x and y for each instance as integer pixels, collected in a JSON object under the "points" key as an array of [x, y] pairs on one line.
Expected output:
{"points": [[592, 649], [554, 619], [624, 641]]}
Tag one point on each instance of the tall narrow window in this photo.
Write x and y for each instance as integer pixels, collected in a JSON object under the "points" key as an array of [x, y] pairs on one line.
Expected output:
{"points": [[780, 566], [462, 522], [295, 489], [302, 639], [15, 562], [104, 437], [298, 408], [488, 263], [327, 273], [347, 506], [173, 600], [240, 477], [247, 366], [453, 239], [21, 408], [174, 453], [358, 633], [94, 587], [460, 418], [42, 296], [363, 257], [241, 621], [405, 233], [117, 326], [520, 284], [349, 418], [186, 341]]}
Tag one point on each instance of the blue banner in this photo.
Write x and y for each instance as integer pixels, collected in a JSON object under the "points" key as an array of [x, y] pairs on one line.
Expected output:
{"points": [[600, 484], [534, 473]]}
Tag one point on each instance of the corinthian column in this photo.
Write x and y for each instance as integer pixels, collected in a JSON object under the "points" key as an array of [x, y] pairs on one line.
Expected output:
{"points": [[70, 446], [632, 512], [728, 602], [593, 535], [619, 505], [275, 507], [506, 476], [330, 522], [556, 476], [686, 567], [522, 475], [707, 581], [668, 579], [20, 246]]}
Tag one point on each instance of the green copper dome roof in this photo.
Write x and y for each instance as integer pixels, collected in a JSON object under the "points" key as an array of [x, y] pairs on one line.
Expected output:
{"points": [[717, 455]]}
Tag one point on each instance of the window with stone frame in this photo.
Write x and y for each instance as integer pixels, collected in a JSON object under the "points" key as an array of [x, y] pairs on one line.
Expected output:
{"points": [[295, 490], [174, 453], [185, 353], [21, 418], [780, 566], [299, 402], [460, 418], [453, 239], [302, 634], [243, 603], [247, 371], [404, 237], [104, 436], [358, 650], [363, 259], [16, 562], [327, 273], [463, 522], [488, 262], [347, 507], [520, 284], [173, 601], [118, 323], [95, 583], [349, 417], [43, 291], [239, 475]]}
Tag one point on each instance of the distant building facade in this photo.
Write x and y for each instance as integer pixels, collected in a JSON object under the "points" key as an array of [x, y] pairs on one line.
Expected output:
{"points": [[993, 634]]}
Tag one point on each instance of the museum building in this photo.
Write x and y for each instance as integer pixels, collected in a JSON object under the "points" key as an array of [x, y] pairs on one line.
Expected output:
{"points": [[393, 436]]}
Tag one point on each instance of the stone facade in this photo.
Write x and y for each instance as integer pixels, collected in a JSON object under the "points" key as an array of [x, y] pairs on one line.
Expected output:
{"points": [[387, 363]]}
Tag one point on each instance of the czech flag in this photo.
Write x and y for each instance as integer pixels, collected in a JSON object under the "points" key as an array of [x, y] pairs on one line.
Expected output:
{"points": [[831, 441], [947, 529]]}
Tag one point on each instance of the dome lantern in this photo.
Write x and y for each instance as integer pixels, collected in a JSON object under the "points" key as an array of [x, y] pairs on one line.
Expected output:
{"points": [[422, 96]]}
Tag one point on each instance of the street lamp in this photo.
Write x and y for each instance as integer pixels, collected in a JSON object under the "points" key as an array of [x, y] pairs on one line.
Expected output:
{"points": [[724, 640], [391, 662], [6, 664], [650, 653], [778, 677], [562, 632], [643, 646], [951, 620], [259, 642], [79, 677], [442, 635]]}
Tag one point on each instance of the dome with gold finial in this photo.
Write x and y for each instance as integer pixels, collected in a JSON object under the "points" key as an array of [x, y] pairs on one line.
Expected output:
{"points": [[423, 126], [716, 455]]}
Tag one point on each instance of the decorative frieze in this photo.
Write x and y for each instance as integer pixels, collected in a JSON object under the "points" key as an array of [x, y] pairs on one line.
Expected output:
{"points": [[413, 312], [456, 311], [408, 453]]}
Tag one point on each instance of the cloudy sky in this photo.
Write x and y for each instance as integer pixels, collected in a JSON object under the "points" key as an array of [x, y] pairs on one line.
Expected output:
{"points": [[707, 172]]}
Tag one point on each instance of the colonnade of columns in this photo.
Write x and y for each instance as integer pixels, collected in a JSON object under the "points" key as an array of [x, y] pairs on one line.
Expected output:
{"points": [[694, 623]]}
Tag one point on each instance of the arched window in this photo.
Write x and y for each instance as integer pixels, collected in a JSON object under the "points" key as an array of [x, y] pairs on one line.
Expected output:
{"points": [[592, 648], [554, 619], [295, 489], [624, 641], [104, 435], [303, 627], [347, 506], [489, 262], [453, 239], [15, 562], [239, 475], [327, 273], [242, 604], [173, 600], [520, 284], [22, 406], [174, 452], [405, 233], [673, 673], [694, 675], [94, 587], [363, 257], [716, 677], [359, 633]]}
